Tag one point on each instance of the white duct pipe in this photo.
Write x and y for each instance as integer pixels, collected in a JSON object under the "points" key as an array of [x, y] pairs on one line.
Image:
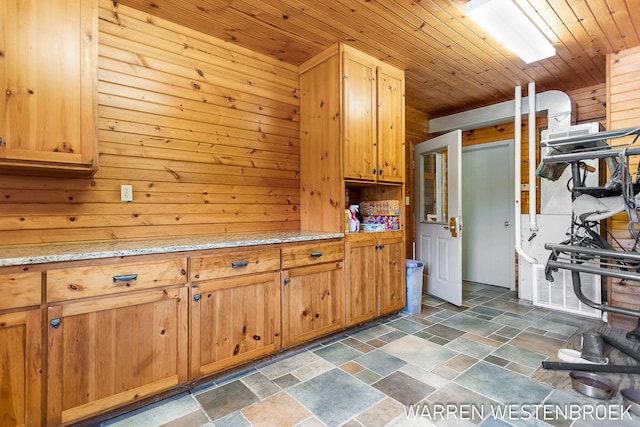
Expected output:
{"points": [[518, 181], [558, 106], [533, 224]]}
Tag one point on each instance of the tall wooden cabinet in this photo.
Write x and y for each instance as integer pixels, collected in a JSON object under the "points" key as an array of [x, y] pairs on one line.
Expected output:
{"points": [[21, 349], [351, 133], [48, 74], [352, 114]]}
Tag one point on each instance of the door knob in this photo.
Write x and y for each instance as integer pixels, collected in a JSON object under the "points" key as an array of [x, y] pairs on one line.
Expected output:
{"points": [[507, 223], [453, 226]]}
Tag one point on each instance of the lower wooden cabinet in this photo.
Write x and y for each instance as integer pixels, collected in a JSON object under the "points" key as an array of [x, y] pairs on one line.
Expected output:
{"points": [[21, 368], [121, 330], [108, 352], [21, 349], [391, 274], [234, 320], [361, 290], [312, 302], [376, 276]]}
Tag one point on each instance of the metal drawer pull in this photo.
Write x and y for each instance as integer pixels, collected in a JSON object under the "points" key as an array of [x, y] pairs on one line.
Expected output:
{"points": [[125, 278], [315, 254], [235, 264]]}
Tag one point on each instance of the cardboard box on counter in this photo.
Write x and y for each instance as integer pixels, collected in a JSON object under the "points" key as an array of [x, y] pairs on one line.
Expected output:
{"points": [[381, 207], [390, 222]]}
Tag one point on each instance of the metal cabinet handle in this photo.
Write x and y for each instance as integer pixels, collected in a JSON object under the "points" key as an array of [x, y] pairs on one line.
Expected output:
{"points": [[55, 323], [125, 278], [286, 281], [315, 254], [196, 297], [238, 264]]}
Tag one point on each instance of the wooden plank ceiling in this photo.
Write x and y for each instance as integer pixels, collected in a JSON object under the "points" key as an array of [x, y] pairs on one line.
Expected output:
{"points": [[451, 65]]}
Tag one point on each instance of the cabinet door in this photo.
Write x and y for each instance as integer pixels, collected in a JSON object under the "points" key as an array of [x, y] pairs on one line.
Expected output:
{"points": [[234, 320], [48, 76], [361, 291], [391, 274], [312, 302], [113, 351], [21, 368], [359, 116], [390, 124]]}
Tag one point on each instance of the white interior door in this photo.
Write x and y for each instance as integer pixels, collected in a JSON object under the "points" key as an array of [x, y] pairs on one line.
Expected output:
{"points": [[487, 194], [438, 213]]}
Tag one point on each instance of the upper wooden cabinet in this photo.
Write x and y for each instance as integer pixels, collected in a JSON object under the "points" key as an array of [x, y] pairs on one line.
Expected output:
{"points": [[360, 116], [373, 136], [48, 57], [391, 121]]}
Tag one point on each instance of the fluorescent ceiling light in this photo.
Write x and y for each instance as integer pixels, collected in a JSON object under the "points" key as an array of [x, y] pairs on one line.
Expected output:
{"points": [[509, 25]]}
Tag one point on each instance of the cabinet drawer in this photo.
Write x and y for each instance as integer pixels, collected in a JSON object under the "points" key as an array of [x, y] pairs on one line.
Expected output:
{"points": [[234, 263], [82, 282], [20, 290], [312, 253]]}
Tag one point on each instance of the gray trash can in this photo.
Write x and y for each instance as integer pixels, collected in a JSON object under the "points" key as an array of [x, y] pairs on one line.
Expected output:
{"points": [[414, 286]]}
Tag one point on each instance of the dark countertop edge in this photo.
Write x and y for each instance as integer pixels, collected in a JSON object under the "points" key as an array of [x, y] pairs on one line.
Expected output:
{"points": [[49, 253]]}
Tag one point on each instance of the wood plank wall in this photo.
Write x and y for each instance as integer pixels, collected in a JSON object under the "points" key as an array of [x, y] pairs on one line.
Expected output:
{"points": [[623, 100], [590, 104], [207, 133]]}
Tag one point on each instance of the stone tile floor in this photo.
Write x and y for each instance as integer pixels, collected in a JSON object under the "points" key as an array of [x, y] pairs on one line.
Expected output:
{"points": [[446, 366]]}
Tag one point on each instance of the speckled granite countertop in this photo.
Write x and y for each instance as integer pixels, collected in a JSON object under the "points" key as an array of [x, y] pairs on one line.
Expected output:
{"points": [[25, 255]]}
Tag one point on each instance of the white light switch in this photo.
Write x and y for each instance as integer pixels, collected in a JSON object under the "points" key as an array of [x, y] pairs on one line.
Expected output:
{"points": [[126, 193]]}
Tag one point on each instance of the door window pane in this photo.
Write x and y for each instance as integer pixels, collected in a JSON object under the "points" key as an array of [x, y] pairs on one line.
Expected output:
{"points": [[435, 190]]}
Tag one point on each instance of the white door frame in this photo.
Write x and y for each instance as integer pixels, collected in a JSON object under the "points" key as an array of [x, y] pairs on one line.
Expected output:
{"points": [[438, 234]]}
